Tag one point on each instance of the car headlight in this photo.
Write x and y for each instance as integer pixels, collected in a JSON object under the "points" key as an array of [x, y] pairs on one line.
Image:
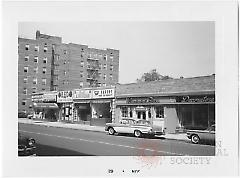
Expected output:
{"points": [[31, 142]]}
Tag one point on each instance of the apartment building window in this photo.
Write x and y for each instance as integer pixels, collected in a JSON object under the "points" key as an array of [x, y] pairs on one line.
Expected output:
{"points": [[44, 81], [36, 59], [89, 55], [111, 57], [45, 48], [104, 84], [111, 77], [25, 69], [159, 112], [111, 67], [44, 60], [82, 64], [104, 76], [26, 58], [81, 74], [43, 89], [105, 66], [27, 47], [24, 91], [24, 102], [81, 84], [34, 90], [105, 57], [25, 80], [35, 81], [100, 66], [82, 54], [35, 69], [44, 70], [36, 48]]}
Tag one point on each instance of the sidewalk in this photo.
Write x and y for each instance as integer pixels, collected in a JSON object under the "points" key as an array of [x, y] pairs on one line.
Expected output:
{"points": [[180, 136]]}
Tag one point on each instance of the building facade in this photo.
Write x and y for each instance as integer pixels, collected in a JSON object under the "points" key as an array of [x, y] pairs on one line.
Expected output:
{"points": [[47, 64], [178, 103]]}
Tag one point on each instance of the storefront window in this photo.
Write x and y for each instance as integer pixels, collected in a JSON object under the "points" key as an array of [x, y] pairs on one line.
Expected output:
{"points": [[131, 113], [159, 112], [124, 112], [149, 113]]}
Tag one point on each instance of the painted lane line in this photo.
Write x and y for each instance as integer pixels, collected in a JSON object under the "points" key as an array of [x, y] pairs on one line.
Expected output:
{"points": [[106, 143]]}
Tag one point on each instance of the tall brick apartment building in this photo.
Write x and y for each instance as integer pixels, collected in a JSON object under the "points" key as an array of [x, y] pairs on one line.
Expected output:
{"points": [[47, 64]]}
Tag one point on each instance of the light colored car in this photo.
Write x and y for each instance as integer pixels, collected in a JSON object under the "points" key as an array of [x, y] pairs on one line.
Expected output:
{"points": [[136, 127], [198, 136]]}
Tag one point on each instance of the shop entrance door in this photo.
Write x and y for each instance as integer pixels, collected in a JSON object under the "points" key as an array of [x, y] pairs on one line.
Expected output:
{"points": [[141, 115]]}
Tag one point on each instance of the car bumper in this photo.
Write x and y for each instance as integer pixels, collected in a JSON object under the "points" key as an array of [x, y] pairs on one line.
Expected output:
{"points": [[156, 133]]}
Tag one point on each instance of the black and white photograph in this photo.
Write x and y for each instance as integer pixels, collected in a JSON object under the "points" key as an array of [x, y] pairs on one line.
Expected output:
{"points": [[154, 83], [103, 85]]}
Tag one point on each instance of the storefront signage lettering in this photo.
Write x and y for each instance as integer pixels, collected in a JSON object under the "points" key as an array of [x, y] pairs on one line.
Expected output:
{"points": [[64, 97], [49, 97], [148, 100], [103, 93], [37, 98], [44, 97], [82, 94], [188, 99]]}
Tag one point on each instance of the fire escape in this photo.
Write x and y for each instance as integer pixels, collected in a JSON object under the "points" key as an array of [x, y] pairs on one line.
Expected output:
{"points": [[92, 71]]}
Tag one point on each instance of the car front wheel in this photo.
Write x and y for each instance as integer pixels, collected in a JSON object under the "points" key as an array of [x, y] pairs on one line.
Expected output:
{"points": [[137, 133], [111, 131], [195, 139]]}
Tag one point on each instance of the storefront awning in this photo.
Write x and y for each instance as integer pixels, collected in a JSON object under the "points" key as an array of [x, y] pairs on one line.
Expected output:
{"points": [[45, 105]]}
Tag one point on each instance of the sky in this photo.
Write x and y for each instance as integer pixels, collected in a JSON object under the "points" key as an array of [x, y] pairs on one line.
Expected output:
{"points": [[173, 48]]}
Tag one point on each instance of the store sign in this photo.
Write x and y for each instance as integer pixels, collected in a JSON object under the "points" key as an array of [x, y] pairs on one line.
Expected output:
{"points": [[192, 99], [37, 98], [49, 97], [64, 97], [103, 93], [149, 100], [82, 94]]}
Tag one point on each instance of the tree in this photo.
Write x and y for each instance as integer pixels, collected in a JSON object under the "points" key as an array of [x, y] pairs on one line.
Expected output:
{"points": [[153, 75]]}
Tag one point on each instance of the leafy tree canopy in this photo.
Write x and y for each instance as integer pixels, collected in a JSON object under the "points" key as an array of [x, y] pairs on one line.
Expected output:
{"points": [[153, 75]]}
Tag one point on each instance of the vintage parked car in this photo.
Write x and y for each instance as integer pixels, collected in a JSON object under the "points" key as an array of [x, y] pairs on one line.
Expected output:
{"points": [[26, 146], [136, 127], [207, 135]]}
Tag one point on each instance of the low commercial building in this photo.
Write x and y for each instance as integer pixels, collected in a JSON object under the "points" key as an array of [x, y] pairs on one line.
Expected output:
{"points": [[45, 106], [87, 106], [180, 103]]}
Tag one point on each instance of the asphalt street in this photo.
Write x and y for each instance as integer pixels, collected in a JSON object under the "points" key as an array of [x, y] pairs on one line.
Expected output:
{"points": [[53, 141]]}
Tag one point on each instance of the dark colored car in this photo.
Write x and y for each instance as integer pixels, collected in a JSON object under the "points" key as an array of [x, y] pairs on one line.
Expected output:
{"points": [[22, 115], [26, 146], [207, 135]]}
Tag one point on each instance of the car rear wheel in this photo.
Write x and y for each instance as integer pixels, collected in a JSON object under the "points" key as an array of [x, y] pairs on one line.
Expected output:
{"points": [[137, 133], [195, 139], [111, 131]]}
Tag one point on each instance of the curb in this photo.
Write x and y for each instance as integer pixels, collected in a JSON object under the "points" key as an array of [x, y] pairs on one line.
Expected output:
{"points": [[62, 127], [103, 131]]}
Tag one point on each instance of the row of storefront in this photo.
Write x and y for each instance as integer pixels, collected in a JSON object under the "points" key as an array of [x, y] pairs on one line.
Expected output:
{"points": [[178, 110]]}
